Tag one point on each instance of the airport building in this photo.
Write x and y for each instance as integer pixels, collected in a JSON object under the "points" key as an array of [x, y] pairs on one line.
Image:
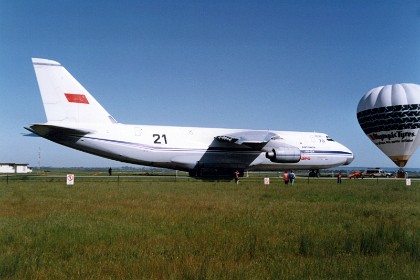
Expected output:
{"points": [[14, 168]]}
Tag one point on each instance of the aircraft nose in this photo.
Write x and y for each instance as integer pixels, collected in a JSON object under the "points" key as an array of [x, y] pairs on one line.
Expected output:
{"points": [[349, 159], [350, 156]]}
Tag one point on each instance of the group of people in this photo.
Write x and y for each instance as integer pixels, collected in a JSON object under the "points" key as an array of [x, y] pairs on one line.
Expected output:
{"points": [[289, 177]]}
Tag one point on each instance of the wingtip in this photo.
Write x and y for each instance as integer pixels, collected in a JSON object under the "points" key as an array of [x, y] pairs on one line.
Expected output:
{"points": [[31, 134]]}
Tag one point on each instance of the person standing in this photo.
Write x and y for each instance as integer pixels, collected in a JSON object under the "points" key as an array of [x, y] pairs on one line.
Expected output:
{"points": [[292, 177], [236, 177], [110, 171], [339, 178], [286, 177]]}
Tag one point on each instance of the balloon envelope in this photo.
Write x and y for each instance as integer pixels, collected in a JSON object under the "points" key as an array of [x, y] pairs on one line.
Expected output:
{"points": [[390, 117]]}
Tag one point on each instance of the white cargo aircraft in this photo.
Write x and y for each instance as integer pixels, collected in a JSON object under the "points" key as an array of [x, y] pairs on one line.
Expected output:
{"points": [[76, 120]]}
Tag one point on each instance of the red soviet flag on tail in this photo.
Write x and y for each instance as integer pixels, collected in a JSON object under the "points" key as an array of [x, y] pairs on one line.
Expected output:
{"points": [[76, 98]]}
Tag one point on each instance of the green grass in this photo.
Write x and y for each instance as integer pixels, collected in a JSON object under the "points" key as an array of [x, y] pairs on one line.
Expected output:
{"points": [[361, 229]]}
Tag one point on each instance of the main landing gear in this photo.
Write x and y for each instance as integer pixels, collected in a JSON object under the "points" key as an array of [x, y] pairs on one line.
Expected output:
{"points": [[314, 173]]}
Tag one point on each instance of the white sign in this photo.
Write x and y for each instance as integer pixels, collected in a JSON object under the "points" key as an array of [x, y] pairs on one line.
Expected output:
{"points": [[408, 182], [70, 179], [266, 181]]}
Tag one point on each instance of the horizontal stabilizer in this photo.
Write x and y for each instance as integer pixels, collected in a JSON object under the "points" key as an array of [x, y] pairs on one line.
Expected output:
{"points": [[49, 131], [29, 134]]}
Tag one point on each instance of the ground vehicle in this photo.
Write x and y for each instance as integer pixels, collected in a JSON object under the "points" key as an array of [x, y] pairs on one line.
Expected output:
{"points": [[356, 175], [376, 172]]}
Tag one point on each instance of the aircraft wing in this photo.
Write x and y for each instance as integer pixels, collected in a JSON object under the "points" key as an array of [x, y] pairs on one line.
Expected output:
{"points": [[253, 139], [264, 141]]}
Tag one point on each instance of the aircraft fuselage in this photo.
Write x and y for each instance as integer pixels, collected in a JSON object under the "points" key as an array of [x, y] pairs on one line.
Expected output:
{"points": [[193, 148]]}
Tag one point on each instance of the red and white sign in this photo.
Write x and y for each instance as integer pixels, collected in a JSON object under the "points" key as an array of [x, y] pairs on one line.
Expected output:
{"points": [[76, 98], [70, 179], [266, 181]]}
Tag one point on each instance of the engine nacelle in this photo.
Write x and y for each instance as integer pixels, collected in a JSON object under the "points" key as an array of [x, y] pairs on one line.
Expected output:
{"points": [[287, 154]]}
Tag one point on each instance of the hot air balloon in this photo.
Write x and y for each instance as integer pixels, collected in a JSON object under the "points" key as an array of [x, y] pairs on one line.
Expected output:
{"points": [[390, 117]]}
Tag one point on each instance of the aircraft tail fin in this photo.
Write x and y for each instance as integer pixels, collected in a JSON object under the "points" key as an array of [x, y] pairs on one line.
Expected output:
{"points": [[65, 99]]}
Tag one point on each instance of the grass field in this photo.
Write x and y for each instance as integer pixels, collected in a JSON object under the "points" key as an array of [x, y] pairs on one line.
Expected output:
{"points": [[362, 229]]}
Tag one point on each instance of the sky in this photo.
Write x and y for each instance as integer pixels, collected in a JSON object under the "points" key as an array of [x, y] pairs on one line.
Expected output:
{"points": [[280, 65]]}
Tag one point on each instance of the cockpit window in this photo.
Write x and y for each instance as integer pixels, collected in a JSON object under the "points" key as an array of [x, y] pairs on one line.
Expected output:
{"points": [[329, 138]]}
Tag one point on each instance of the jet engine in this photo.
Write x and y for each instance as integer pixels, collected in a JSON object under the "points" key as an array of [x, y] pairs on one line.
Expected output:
{"points": [[286, 154]]}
